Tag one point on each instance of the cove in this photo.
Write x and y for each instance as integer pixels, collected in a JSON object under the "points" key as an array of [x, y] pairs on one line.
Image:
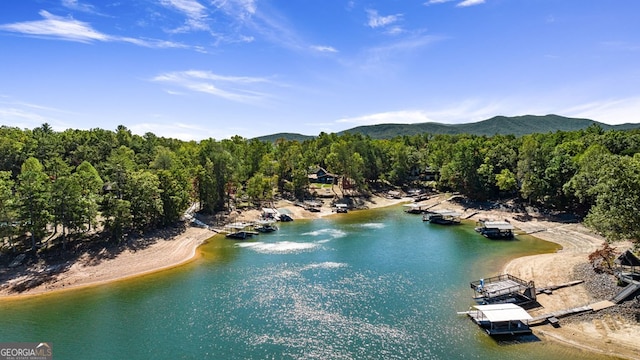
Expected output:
{"points": [[375, 284]]}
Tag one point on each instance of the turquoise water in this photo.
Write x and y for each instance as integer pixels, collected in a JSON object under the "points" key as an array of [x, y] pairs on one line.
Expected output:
{"points": [[377, 284]]}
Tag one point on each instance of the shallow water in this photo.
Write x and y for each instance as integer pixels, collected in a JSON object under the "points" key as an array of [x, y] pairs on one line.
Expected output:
{"points": [[377, 284]]}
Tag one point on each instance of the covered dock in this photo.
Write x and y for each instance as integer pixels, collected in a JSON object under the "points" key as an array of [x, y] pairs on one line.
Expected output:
{"points": [[240, 230], [502, 289], [501, 319], [415, 208], [445, 217], [495, 229]]}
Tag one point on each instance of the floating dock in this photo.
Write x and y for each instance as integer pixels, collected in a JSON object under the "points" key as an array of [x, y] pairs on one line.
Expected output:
{"points": [[502, 289]]}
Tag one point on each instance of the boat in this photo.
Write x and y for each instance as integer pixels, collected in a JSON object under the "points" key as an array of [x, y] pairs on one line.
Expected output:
{"points": [[266, 226], [341, 208], [284, 218]]}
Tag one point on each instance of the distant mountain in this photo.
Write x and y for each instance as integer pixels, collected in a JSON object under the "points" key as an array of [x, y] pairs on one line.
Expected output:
{"points": [[504, 125], [286, 136]]}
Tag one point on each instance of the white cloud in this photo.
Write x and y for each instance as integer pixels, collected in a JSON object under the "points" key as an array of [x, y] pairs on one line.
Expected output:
{"points": [[77, 6], [235, 88], [195, 12], [467, 3], [57, 27], [379, 56], [432, 2], [376, 21], [611, 111], [66, 28], [322, 48], [391, 117]]}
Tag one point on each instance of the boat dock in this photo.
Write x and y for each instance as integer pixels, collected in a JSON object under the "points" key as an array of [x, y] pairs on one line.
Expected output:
{"points": [[501, 319], [503, 288], [443, 217], [495, 229]]}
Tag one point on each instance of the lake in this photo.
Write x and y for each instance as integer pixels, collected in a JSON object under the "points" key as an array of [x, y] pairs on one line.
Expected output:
{"points": [[375, 284]]}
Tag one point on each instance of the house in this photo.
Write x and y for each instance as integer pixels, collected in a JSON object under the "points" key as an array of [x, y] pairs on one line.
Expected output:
{"points": [[322, 176], [424, 173]]}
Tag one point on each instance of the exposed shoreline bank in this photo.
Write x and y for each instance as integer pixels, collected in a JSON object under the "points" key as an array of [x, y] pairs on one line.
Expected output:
{"points": [[610, 335]]}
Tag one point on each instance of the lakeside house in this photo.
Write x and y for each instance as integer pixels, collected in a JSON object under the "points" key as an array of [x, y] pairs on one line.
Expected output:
{"points": [[322, 176]]}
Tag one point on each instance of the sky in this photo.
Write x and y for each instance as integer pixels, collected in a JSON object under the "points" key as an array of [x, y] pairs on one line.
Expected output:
{"points": [[198, 69]]}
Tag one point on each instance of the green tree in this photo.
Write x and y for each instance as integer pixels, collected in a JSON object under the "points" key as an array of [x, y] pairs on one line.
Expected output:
{"points": [[7, 208], [67, 205], [174, 184], [142, 191], [506, 181], [34, 193], [91, 186], [615, 213], [116, 215]]}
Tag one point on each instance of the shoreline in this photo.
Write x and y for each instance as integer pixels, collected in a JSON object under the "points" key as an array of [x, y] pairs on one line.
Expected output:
{"points": [[610, 336], [174, 252], [602, 333], [130, 263]]}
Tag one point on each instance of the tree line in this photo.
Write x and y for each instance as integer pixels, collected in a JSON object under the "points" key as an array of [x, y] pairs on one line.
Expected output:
{"points": [[63, 184]]}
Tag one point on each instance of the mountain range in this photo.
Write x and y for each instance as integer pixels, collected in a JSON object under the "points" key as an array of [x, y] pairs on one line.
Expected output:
{"points": [[504, 125]]}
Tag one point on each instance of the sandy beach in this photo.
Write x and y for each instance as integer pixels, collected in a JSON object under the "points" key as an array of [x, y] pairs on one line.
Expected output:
{"points": [[602, 333], [608, 334]]}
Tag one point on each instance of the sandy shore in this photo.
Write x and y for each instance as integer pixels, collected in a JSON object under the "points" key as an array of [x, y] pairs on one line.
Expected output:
{"points": [[91, 271], [162, 254], [613, 336]]}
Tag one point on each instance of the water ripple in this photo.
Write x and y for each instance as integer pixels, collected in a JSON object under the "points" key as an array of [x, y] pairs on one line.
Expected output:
{"points": [[281, 247]]}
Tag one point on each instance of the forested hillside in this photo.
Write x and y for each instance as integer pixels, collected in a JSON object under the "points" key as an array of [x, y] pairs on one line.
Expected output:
{"points": [[497, 125], [59, 185]]}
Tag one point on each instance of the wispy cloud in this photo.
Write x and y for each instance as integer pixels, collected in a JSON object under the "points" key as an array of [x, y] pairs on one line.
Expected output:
{"points": [[375, 20], [234, 88], [467, 3], [28, 115], [465, 111], [610, 111], [390, 117], [82, 7], [322, 48], [69, 29], [57, 27], [195, 12], [432, 2], [379, 56]]}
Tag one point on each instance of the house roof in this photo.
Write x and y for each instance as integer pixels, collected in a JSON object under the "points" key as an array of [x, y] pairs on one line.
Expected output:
{"points": [[503, 312], [628, 259]]}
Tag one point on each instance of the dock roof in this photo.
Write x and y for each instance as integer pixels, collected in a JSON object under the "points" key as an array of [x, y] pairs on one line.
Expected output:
{"points": [[503, 312], [447, 212], [501, 225]]}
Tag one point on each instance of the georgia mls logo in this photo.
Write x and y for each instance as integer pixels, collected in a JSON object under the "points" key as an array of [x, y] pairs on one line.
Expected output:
{"points": [[26, 351]]}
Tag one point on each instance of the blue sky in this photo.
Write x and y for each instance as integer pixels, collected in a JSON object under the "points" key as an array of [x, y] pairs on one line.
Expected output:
{"points": [[194, 69]]}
